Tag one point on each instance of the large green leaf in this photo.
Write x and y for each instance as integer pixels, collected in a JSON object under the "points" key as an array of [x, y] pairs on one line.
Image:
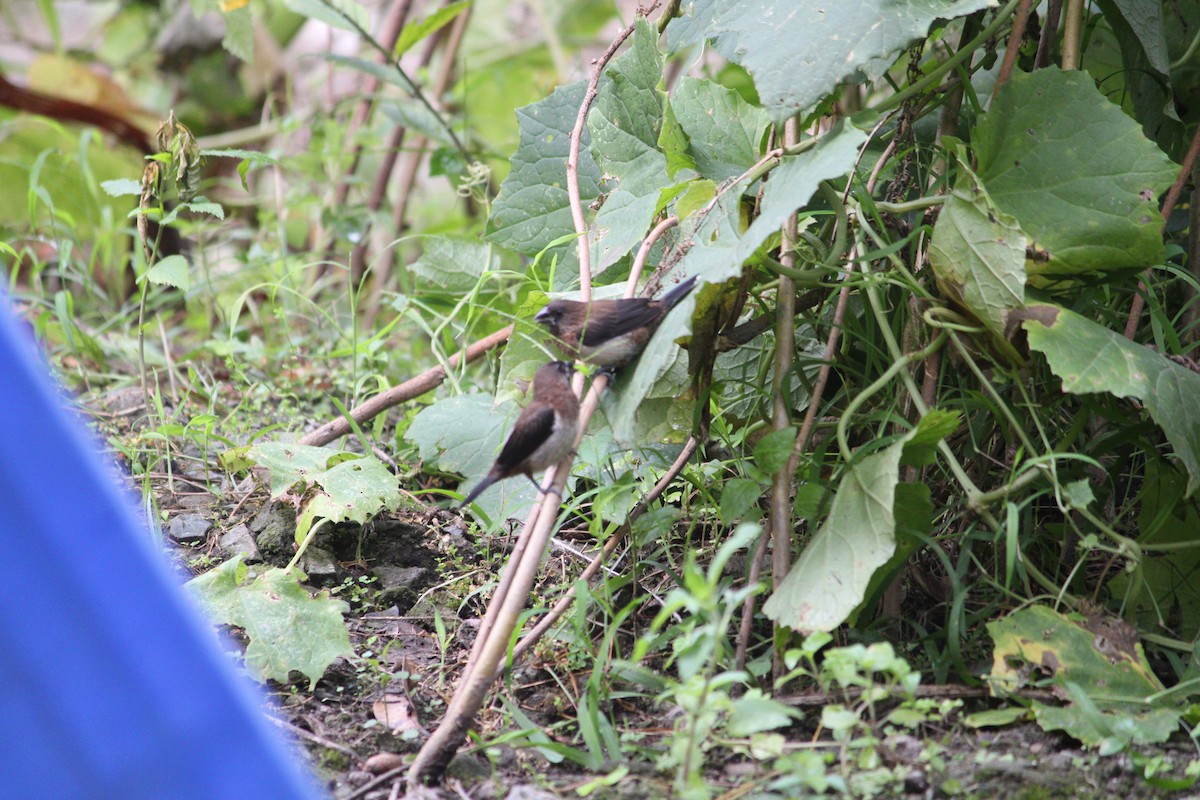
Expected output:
{"points": [[800, 52], [531, 209], [171, 271], [1095, 663], [726, 132], [350, 487], [624, 124], [1139, 80], [288, 629], [450, 265], [1082, 180], [1090, 358], [831, 576], [1145, 20], [914, 513], [978, 255]]}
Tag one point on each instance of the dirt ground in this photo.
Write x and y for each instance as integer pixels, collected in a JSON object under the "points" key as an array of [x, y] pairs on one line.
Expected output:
{"points": [[402, 576], [356, 730]]}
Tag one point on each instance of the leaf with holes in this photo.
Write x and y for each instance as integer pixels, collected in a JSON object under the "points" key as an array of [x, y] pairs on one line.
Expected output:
{"points": [[288, 629]]}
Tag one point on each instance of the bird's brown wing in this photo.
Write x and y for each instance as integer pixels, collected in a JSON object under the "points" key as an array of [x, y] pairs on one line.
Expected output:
{"points": [[533, 428], [626, 316]]}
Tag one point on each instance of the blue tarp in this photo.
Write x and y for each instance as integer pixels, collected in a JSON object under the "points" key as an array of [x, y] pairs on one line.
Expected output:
{"points": [[111, 684]]}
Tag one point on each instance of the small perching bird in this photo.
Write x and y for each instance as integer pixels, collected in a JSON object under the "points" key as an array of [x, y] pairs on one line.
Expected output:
{"points": [[608, 333], [544, 432]]}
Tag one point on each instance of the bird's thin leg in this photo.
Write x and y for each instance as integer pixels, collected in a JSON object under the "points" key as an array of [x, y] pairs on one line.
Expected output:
{"points": [[547, 489]]}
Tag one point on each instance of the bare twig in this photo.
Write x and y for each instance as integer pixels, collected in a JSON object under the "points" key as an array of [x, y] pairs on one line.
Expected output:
{"points": [[383, 175], [393, 23], [614, 541], [780, 511], [413, 387], [1072, 34], [573, 197], [409, 82], [414, 154], [745, 628], [296, 730], [1139, 300], [512, 592], [639, 261], [1049, 34], [1014, 46], [374, 784]]}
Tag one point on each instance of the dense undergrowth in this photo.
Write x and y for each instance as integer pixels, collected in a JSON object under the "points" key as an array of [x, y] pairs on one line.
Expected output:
{"points": [[932, 411]]}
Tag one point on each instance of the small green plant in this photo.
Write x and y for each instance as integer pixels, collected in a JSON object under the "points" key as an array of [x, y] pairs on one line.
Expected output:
{"points": [[361, 593]]}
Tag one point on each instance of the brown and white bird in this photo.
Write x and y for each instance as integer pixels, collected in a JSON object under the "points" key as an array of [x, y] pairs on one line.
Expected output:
{"points": [[544, 432], [608, 333]]}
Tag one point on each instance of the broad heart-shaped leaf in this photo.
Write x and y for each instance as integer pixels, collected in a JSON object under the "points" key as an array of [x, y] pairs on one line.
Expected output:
{"points": [[800, 52], [289, 464], [171, 271], [1096, 664], [353, 488], [624, 124], [724, 132], [1136, 78], [531, 209], [1077, 174], [644, 396], [450, 265], [288, 630], [461, 433], [830, 578], [914, 513], [978, 255], [1090, 358]]}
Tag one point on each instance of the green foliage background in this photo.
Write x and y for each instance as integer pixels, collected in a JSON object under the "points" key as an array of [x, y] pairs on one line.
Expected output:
{"points": [[963, 384]]}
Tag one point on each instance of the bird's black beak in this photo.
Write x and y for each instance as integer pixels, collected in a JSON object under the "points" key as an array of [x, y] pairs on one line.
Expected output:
{"points": [[545, 316]]}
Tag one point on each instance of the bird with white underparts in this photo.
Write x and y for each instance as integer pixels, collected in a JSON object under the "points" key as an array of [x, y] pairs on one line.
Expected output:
{"points": [[544, 433], [608, 333]]}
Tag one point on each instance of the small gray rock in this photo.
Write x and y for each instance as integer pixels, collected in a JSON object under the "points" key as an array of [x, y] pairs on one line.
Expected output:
{"points": [[318, 564], [188, 528], [399, 585], [527, 791], [274, 528], [391, 578], [197, 502], [239, 540]]}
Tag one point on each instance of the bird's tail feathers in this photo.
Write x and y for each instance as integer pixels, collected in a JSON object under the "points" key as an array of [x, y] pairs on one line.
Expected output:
{"points": [[487, 481], [678, 293]]}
